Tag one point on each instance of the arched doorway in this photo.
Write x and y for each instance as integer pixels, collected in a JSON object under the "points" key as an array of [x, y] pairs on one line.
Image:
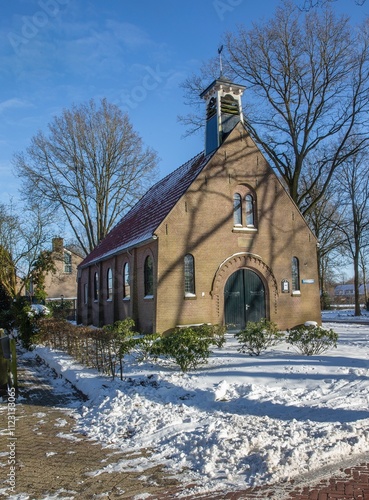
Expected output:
{"points": [[244, 299]]}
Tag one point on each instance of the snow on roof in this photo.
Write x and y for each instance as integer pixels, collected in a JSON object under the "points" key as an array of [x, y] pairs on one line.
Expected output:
{"points": [[140, 223]]}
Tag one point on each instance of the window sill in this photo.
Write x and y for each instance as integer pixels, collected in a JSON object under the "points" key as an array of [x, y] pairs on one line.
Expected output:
{"points": [[296, 293], [148, 297], [126, 299], [189, 296], [109, 300], [239, 229]]}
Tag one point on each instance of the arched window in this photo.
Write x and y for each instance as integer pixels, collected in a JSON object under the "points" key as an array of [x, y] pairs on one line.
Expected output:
{"points": [[237, 210], [189, 275], [149, 277], [109, 284], [96, 286], [249, 209], [295, 275], [126, 282]]}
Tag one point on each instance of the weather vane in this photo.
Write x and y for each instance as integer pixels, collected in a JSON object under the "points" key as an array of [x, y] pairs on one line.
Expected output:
{"points": [[220, 59]]}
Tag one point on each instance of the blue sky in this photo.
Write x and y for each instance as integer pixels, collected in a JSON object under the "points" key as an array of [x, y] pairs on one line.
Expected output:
{"points": [[55, 53]]}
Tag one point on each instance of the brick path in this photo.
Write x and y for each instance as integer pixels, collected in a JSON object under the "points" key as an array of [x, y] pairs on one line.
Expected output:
{"points": [[54, 462], [348, 483]]}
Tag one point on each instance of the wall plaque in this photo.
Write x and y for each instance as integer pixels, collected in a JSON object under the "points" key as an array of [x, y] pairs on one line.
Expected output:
{"points": [[285, 286]]}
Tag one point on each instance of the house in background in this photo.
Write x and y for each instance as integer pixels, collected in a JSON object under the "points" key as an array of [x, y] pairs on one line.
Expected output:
{"points": [[62, 285], [219, 240], [345, 294]]}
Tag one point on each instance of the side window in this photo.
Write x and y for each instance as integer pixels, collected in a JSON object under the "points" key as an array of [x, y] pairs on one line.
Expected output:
{"points": [[126, 282], [85, 293], [189, 275], [295, 275], [109, 284], [96, 286], [249, 208], [67, 262], [237, 210], [149, 277]]}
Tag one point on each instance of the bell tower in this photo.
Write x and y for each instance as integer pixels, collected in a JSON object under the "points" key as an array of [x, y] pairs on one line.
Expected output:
{"points": [[223, 111]]}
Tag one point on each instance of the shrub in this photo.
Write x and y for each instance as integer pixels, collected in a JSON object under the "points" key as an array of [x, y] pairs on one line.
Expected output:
{"points": [[147, 346], [258, 336], [121, 341], [186, 347], [26, 319], [214, 332], [60, 310], [311, 339]]}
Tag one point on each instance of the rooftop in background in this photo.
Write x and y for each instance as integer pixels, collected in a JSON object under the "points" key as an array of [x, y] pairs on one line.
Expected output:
{"points": [[349, 289]]}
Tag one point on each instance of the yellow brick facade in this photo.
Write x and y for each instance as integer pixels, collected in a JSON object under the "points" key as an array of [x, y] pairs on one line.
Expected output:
{"points": [[201, 223]]}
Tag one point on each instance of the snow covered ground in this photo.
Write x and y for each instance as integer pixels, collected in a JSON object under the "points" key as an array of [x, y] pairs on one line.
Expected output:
{"points": [[239, 421]]}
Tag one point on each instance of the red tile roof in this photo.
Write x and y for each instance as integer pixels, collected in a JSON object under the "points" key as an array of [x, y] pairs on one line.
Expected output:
{"points": [[140, 223]]}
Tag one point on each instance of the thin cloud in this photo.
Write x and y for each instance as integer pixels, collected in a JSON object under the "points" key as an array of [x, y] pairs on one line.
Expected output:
{"points": [[130, 35], [13, 103]]}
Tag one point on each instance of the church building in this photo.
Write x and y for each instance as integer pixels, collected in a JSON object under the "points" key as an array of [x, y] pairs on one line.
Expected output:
{"points": [[219, 240]]}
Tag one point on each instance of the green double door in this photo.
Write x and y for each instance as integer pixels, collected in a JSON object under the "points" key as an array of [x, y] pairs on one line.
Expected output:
{"points": [[244, 299]]}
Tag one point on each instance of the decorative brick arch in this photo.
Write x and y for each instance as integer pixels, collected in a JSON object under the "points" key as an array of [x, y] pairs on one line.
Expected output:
{"points": [[244, 260]]}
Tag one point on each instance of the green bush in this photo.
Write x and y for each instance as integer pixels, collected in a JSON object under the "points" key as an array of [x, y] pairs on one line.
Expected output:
{"points": [[60, 310], [147, 346], [258, 336], [214, 332], [121, 340], [186, 347], [26, 319], [311, 340]]}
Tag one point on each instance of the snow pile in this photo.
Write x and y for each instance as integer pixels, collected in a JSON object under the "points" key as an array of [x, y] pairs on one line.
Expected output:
{"points": [[239, 421]]}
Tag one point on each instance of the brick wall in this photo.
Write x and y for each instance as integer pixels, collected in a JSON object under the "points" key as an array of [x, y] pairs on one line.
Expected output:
{"points": [[202, 224]]}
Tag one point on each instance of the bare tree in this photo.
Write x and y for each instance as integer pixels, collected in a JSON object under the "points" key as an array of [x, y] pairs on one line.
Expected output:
{"points": [[307, 82], [353, 194], [90, 168], [323, 219], [310, 4], [22, 239]]}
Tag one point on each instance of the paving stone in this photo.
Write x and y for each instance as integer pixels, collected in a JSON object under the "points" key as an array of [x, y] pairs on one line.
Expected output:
{"points": [[53, 460]]}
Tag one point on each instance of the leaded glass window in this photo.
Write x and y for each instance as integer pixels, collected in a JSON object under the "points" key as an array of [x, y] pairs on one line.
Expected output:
{"points": [[149, 276], [295, 274], [189, 275]]}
